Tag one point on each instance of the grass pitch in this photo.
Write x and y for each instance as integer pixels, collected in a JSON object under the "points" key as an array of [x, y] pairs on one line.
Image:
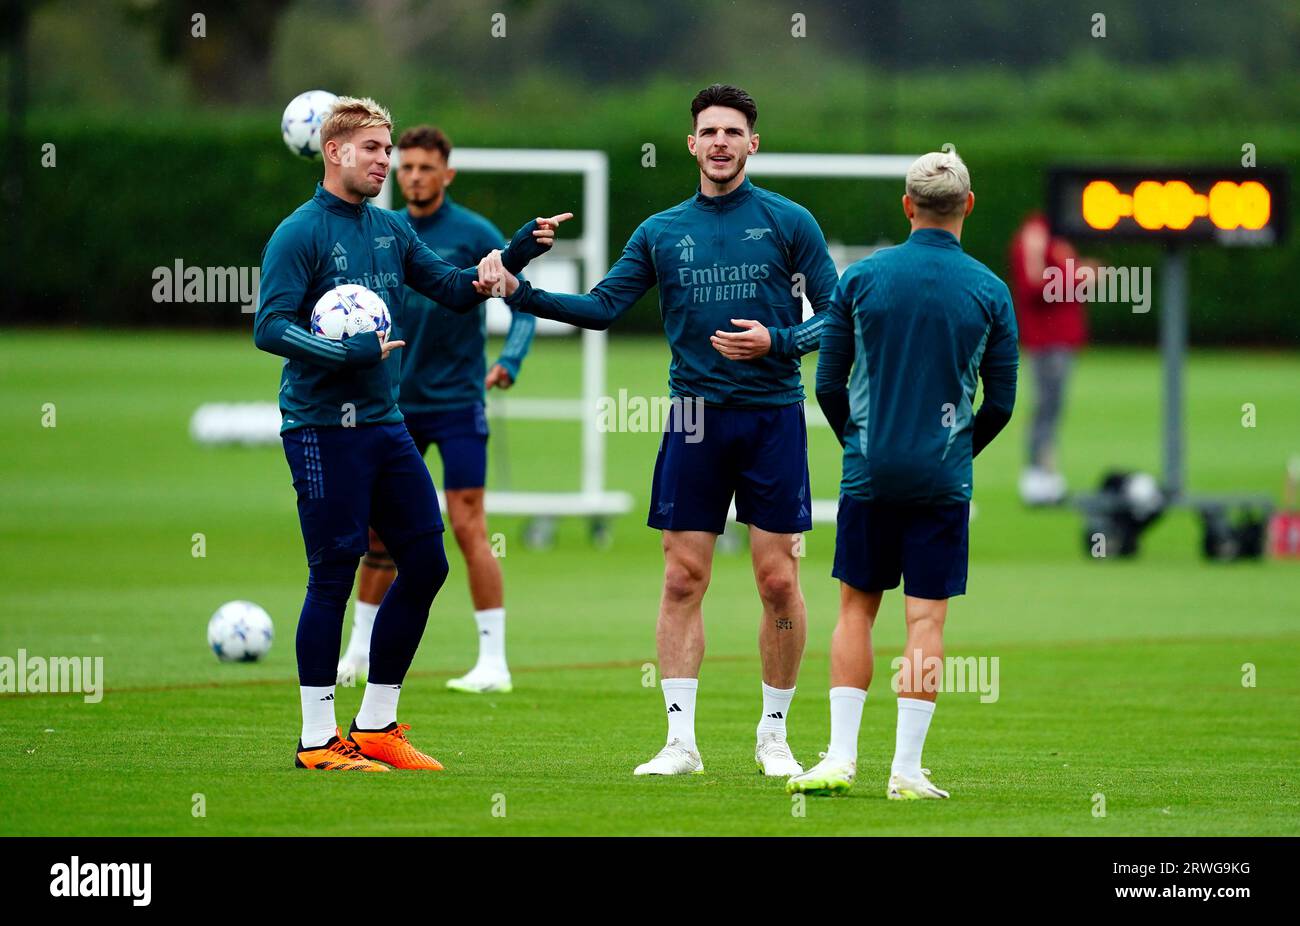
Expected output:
{"points": [[1122, 679]]}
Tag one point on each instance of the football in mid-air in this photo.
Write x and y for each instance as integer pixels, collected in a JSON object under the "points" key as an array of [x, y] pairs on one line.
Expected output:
{"points": [[240, 631], [300, 124], [349, 310]]}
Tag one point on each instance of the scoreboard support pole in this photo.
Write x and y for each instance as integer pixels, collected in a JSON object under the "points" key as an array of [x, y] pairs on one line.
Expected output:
{"points": [[1175, 205], [1173, 350], [1232, 523]]}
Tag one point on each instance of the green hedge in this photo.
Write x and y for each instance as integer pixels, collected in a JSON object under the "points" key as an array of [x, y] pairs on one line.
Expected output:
{"points": [[124, 199]]}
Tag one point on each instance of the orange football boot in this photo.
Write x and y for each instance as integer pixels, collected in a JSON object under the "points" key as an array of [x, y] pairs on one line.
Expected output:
{"points": [[391, 745], [337, 755]]}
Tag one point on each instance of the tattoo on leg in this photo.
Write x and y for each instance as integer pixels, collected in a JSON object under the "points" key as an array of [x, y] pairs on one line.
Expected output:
{"points": [[784, 623], [382, 561]]}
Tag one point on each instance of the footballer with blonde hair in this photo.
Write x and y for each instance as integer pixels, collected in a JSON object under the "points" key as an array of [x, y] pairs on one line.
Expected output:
{"points": [[445, 380], [352, 460], [908, 333]]}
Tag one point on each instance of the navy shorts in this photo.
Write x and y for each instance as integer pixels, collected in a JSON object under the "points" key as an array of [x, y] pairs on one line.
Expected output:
{"points": [[349, 479], [462, 436], [876, 543], [758, 455]]}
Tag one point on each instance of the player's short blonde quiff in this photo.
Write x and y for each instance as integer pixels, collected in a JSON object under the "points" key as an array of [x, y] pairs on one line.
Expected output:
{"points": [[351, 113], [939, 183]]}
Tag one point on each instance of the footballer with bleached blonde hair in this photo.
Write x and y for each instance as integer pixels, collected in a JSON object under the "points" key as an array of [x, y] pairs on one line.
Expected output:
{"points": [[350, 159], [910, 334], [353, 462]]}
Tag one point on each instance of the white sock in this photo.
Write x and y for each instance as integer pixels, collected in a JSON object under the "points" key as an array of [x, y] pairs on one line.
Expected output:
{"points": [[776, 707], [846, 718], [679, 698], [378, 706], [913, 723], [318, 723], [363, 621], [491, 639]]}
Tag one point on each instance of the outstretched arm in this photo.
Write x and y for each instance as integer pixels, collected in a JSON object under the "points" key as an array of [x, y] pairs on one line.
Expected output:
{"points": [[438, 279], [532, 240], [447, 285], [626, 282]]}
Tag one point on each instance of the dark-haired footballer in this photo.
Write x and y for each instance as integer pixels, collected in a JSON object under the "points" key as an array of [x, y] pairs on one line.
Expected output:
{"points": [[444, 382], [352, 460], [731, 264]]}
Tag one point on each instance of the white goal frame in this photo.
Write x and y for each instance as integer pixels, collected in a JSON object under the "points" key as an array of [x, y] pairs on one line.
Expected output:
{"points": [[592, 498]]}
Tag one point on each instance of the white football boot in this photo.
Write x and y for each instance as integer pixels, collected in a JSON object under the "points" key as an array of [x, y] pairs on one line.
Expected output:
{"points": [[1041, 487], [829, 776], [480, 680], [774, 758], [913, 789], [673, 759]]}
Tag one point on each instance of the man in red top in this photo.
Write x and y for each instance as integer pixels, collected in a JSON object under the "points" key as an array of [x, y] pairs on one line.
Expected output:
{"points": [[1050, 333]]}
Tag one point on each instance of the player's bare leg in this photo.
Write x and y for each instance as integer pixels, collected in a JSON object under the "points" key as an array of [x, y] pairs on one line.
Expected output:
{"points": [[679, 635], [679, 639], [852, 665], [781, 637], [376, 575], [852, 655], [917, 694], [469, 524], [468, 518], [784, 628]]}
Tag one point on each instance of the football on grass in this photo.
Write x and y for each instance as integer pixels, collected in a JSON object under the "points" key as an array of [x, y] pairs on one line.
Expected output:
{"points": [[240, 631]]}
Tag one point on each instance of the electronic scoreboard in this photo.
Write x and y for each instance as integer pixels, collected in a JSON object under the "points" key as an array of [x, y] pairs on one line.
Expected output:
{"points": [[1235, 207]]}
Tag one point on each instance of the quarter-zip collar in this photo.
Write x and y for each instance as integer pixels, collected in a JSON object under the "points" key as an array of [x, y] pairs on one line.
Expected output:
{"points": [[331, 203], [726, 201], [935, 237]]}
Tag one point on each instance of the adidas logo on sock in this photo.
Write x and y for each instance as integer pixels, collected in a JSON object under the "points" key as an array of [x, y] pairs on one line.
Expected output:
{"points": [[674, 708], [328, 697], [777, 715]]}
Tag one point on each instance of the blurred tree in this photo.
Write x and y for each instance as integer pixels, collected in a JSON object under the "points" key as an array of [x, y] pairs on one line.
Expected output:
{"points": [[230, 61], [14, 27]]}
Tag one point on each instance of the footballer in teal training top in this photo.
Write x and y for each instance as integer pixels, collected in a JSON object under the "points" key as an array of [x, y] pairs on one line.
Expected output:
{"points": [[352, 460], [732, 264], [444, 378], [910, 333]]}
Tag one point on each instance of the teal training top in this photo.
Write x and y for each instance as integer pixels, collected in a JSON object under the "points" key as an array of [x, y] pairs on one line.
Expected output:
{"points": [[443, 364], [747, 254], [918, 324], [328, 241]]}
